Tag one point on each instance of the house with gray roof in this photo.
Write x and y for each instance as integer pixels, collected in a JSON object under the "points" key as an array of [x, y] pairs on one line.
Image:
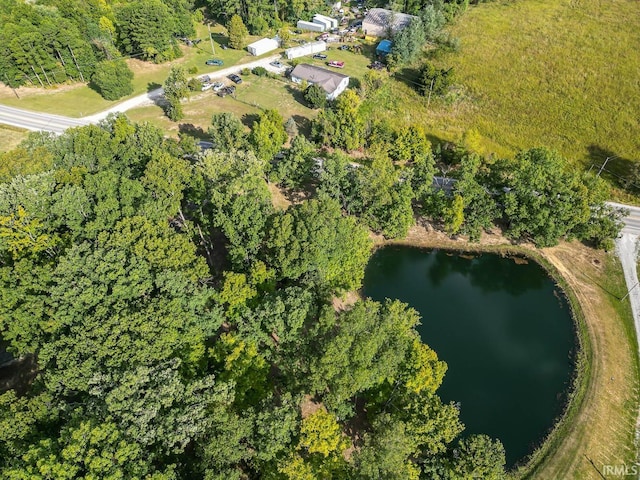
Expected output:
{"points": [[380, 22], [333, 83]]}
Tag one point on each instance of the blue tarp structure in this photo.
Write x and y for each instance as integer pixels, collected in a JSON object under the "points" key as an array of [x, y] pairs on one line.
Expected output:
{"points": [[384, 47]]}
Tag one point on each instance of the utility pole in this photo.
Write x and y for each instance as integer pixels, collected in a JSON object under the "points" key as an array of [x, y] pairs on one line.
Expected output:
{"points": [[6, 80], [605, 164], [213, 51], [76, 62], [36, 74], [430, 90]]}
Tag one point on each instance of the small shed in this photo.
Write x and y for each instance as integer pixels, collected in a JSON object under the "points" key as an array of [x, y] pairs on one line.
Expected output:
{"points": [[262, 46], [306, 49], [384, 48], [314, 27]]}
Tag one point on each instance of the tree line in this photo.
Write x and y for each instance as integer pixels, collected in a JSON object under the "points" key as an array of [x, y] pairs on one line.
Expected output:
{"points": [[49, 42], [184, 328]]}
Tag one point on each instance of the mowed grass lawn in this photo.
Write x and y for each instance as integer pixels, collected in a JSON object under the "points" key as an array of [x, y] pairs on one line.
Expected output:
{"points": [[252, 96], [564, 74], [79, 100]]}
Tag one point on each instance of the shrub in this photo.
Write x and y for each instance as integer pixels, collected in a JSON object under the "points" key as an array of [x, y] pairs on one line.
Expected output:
{"points": [[113, 79], [435, 80], [194, 85], [193, 70], [315, 96], [260, 71], [245, 71]]}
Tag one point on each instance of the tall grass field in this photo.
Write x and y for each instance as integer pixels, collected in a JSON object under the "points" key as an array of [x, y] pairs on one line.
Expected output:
{"points": [[564, 74]]}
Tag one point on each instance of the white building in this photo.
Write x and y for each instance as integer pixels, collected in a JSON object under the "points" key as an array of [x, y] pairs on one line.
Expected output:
{"points": [[331, 82], [314, 27], [380, 22], [263, 45], [326, 25], [332, 22], [306, 49]]}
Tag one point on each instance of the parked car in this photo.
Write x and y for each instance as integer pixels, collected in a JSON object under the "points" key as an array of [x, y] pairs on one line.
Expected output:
{"points": [[276, 64], [205, 79], [223, 92], [235, 78], [206, 86], [320, 56], [343, 47], [216, 87], [376, 65], [336, 64], [214, 61]]}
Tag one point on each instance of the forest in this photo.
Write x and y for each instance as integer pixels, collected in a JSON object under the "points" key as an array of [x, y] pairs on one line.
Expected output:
{"points": [[183, 327]]}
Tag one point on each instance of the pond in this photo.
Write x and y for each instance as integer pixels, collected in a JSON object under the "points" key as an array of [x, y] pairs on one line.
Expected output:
{"points": [[503, 327]]}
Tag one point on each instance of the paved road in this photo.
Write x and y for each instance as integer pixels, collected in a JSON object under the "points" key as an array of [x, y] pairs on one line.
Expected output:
{"points": [[632, 220], [38, 121], [57, 124]]}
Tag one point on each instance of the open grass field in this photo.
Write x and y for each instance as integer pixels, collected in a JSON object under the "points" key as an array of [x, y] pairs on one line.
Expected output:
{"points": [[564, 74], [77, 100], [10, 137], [252, 96]]}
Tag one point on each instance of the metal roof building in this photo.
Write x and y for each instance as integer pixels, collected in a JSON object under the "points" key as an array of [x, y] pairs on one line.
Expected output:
{"points": [[380, 22], [263, 45]]}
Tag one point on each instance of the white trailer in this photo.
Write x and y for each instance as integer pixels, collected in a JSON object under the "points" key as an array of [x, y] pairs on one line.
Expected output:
{"points": [[306, 49], [262, 46], [314, 27]]}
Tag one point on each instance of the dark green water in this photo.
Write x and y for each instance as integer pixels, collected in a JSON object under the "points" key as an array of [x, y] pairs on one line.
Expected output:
{"points": [[503, 328]]}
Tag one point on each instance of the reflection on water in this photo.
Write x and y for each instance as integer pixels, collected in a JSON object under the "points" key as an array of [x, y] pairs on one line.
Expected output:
{"points": [[502, 328]]}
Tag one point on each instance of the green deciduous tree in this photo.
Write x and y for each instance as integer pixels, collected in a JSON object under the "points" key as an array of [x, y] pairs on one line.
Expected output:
{"points": [[315, 96], [268, 135], [314, 241], [175, 89], [227, 132], [113, 79]]}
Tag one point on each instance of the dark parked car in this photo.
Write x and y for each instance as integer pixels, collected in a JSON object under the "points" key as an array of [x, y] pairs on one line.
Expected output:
{"points": [[343, 47], [235, 78], [320, 56], [215, 62], [226, 91], [376, 65]]}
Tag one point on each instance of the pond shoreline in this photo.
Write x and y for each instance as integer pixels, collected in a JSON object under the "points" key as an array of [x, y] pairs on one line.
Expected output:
{"points": [[582, 398]]}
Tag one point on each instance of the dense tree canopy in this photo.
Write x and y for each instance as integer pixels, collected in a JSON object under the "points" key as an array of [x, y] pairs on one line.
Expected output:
{"points": [[184, 328]]}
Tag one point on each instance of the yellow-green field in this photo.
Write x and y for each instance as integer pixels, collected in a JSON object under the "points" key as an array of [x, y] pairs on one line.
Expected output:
{"points": [[564, 74], [10, 137]]}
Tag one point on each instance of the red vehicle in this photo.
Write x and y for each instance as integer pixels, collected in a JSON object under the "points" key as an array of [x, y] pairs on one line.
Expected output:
{"points": [[336, 64]]}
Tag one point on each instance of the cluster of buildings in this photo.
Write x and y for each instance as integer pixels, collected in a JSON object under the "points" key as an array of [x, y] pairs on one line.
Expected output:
{"points": [[378, 22]]}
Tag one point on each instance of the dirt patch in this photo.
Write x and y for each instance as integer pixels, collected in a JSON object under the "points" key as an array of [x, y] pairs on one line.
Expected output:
{"points": [[309, 406], [278, 199], [345, 302]]}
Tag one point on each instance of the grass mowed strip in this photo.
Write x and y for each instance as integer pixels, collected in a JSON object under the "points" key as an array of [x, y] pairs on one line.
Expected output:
{"points": [[10, 137], [560, 74]]}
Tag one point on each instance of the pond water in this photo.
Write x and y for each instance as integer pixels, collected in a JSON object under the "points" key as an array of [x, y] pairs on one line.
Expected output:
{"points": [[504, 329]]}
